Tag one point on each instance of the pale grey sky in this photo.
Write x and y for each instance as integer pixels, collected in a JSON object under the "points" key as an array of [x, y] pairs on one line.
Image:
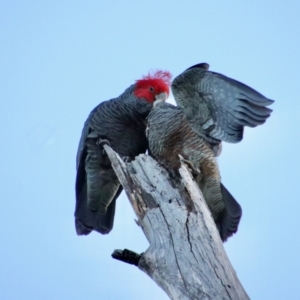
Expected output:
{"points": [[59, 59]]}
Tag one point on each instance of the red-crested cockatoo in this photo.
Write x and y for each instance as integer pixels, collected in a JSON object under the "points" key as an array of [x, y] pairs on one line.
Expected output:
{"points": [[120, 123]]}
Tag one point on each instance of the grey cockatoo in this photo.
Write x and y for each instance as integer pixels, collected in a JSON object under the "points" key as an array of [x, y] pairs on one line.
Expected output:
{"points": [[120, 123], [211, 108]]}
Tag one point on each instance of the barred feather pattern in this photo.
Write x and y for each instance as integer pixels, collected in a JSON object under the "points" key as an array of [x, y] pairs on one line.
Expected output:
{"points": [[170, 135], [120, 122]]}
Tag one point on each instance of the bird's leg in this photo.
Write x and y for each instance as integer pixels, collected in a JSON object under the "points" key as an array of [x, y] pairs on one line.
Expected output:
{"points": [[95, 149], [101, 142], [192, 167], [126, 159]]}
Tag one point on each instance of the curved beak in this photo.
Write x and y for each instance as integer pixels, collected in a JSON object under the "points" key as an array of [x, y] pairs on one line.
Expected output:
{"points": [[162, 97]]}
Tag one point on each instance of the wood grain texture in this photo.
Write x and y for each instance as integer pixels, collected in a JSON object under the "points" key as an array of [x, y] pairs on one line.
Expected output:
{"points": [[186, 257]]}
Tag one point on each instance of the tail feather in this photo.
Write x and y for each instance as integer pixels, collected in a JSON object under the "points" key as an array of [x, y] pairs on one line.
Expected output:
{"points": [[80, 229], [87, 220], [228, 224]]}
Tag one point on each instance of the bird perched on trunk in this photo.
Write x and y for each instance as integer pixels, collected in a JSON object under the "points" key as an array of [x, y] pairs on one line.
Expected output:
{"points": [[120, 123], [211, 108]]}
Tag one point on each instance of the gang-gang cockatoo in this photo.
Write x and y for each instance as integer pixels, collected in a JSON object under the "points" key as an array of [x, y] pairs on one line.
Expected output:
{"points": [[120, 123]]}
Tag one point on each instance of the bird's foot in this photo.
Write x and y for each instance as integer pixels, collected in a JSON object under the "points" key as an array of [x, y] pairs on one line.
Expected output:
{"points": [[101, 142], [126, 159], [127, 256], [194, 169]]}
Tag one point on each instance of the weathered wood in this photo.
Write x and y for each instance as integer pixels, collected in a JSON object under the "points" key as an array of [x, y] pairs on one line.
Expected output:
{"points": [[186, 257]]}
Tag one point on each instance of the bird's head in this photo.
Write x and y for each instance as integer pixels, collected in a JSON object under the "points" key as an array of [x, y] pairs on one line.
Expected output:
{"points": [[154, 86]]}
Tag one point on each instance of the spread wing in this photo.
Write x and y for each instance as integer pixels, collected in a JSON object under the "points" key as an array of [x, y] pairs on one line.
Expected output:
{"points": [[217, 106]]}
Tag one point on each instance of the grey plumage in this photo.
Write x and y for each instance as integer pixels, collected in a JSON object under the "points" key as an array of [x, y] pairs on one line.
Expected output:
{"points": [[120, 123], [217, 106], [97, 186], [211, 108]]}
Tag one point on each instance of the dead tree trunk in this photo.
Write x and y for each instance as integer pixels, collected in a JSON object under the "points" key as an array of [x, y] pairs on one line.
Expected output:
{"points": [[186, 257]]}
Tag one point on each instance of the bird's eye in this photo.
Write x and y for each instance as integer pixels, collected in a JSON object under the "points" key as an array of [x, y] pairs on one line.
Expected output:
{"points": [[151, 89]]}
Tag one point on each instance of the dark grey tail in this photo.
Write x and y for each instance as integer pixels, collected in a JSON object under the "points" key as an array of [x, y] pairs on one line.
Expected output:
{"points": [[229, 221], [87, 220]]}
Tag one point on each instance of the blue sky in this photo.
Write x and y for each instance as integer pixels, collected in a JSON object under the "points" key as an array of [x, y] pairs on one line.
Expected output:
{"points": [[59, 59]]}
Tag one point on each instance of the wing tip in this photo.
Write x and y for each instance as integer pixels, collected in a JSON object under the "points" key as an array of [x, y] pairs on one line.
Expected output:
{"points": [[204, 66]]}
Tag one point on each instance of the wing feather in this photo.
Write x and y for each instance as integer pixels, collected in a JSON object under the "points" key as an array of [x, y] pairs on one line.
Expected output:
{"points": [[218, 106]]}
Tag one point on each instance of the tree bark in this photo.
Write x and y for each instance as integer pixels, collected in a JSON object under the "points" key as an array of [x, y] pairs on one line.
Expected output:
{"points": [[186, 257]]}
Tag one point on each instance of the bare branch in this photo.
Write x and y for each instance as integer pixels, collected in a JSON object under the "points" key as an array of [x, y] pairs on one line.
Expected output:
{"points": [[186, 257]]}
